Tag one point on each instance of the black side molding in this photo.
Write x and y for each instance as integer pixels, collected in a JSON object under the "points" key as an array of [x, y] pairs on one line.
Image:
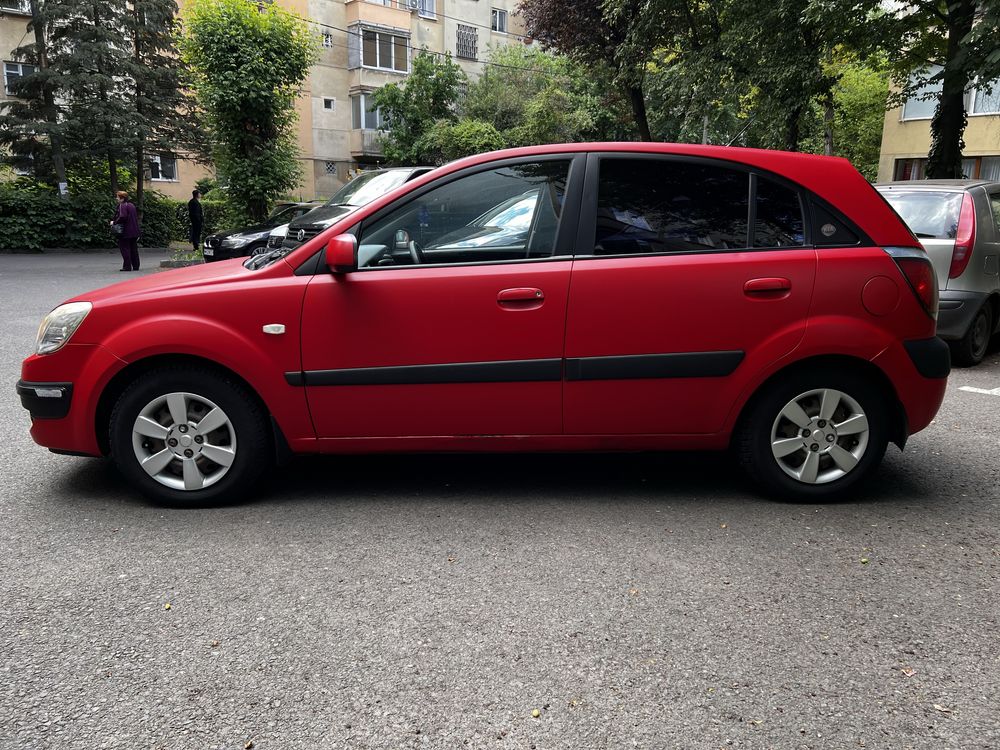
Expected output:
{"points": [[45, 400], [679, 365], [513, 371], [931, 357]]}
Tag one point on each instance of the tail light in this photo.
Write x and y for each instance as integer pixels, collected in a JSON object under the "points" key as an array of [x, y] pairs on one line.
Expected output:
{"points": [[917, 268], [965, 238]]}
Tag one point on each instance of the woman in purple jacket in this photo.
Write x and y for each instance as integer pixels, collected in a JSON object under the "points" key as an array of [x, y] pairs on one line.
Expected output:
{"points": [[128, 240]]}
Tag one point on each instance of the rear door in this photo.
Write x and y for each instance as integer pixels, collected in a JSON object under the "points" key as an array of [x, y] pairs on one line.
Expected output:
{"points": [[674, 301]]}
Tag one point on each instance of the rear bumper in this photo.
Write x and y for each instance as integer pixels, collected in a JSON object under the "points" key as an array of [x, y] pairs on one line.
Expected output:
{"points": [[956, 311], [920, 395]]}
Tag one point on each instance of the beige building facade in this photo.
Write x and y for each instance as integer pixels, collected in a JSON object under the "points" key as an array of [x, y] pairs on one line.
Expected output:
{"points": [[906, 136], [364, 44]]}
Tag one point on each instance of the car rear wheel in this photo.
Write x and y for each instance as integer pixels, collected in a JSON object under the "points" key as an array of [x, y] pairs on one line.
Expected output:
{"points": [[971, 348], [813, 435], [189, 436]]}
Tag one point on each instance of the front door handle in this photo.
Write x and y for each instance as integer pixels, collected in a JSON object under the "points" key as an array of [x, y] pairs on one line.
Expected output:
{"points": [[769, 287], [521, 298]]}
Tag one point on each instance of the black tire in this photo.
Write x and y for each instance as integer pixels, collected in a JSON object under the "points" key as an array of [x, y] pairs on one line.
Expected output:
{"points": [[753, 437], [969, 350], [247, 427]]}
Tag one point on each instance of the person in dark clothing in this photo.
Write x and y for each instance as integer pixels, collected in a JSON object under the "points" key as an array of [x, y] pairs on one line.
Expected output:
{"points": [[128, 240], [196, 217]]}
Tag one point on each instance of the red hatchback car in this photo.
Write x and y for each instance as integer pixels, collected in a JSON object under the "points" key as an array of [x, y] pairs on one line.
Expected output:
{"points": [[609, 296]]}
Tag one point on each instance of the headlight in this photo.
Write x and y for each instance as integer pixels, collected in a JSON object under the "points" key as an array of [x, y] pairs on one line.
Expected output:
{"points": [[238, 241], [59, 326]]}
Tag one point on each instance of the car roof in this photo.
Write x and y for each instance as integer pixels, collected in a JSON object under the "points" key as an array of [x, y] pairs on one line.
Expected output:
{"points": [[964, 184]]}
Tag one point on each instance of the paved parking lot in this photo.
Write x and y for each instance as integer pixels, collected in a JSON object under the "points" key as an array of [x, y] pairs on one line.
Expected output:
{"points": [[436, 601]]}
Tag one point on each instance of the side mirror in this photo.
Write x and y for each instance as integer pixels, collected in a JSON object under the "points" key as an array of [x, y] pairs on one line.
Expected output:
{"points": [[342, 253]]}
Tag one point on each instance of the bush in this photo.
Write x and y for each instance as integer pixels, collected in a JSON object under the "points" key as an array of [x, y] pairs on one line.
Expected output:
{"points": [[33, 217]]}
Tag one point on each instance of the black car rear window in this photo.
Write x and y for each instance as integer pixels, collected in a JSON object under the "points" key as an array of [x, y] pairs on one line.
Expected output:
{"points": [[930, 214]]}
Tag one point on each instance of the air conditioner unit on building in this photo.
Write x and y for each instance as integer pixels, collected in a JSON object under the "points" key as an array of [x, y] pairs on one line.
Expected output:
{"points": [[413, 4]]}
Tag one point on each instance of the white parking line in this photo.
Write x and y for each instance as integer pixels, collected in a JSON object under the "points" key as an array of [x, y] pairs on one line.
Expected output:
{"points": [[970, 389]]}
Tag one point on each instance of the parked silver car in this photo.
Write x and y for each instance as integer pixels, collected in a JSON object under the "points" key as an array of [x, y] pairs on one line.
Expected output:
{"points": [[958, 223]]}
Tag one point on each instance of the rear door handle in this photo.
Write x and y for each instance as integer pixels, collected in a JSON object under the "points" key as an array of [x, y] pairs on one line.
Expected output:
{"points": [[520, 298], [771, 286]]}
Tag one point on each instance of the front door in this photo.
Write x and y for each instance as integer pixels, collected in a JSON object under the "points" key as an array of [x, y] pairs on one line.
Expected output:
{"points": [[453, 324], [674, 298]]}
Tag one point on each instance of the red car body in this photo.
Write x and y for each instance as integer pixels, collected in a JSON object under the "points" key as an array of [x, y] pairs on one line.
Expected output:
{"points": [[346, 375]]}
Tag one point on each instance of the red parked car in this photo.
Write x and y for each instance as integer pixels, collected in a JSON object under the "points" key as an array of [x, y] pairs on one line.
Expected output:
{"points": [[613, 296]]}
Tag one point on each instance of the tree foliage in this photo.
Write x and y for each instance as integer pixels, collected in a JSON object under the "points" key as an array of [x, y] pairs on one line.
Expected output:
{"points": [[425, 101], [248, 64]]}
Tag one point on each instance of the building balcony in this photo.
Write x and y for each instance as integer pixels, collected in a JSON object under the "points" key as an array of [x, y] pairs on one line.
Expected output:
{"points": [[365, 143], [393, 14]]}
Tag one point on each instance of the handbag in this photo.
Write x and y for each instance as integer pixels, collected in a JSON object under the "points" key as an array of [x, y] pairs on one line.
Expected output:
{"points": [[117, 230]]}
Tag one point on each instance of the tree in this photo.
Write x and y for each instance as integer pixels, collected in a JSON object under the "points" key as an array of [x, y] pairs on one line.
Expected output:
{"points": [[951, 42], [30, 125], [164, 117], [412, 109], [248, 63], [620, 34], [531, 96]]}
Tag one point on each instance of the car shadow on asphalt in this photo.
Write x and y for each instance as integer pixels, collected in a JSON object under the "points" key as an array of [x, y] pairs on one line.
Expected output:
{"points": [[575, 478]]}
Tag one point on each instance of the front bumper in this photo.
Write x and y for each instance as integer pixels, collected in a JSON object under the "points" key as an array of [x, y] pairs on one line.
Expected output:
{"points": [[956, 311], [45, 400]]}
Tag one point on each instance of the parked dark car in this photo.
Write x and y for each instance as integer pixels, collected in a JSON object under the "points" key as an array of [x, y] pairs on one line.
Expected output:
{"points": [[360, 191], [958, 223], [252, 240]]}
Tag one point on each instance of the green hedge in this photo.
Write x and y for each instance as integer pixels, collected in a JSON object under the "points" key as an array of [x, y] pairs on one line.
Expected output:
{"points": [[34, 217]]}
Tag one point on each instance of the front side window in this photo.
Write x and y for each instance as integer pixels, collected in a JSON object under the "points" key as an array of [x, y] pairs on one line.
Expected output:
{"points": [[386, 51], [13, 72], [508, 213], [648, 206]]}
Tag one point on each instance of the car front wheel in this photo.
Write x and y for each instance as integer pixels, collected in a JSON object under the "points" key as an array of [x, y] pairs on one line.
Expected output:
{"points": [[814, 435], [187, 437]]}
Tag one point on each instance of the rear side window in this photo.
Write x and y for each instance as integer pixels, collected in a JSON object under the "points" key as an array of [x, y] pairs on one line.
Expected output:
{"points": [[930, 215], [648, 206], [778, 222]]}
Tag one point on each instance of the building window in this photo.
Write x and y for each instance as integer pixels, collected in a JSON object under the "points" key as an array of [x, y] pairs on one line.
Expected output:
{"points": [[989, 168], [331, 167], [328, 41], [467, 42], [163, 168], [364, 114], [385, 51], [330, 105], [16, 6], [499, 21], [986, 99], [909, 169], [427, 9], [924, 100], [13, 71]]}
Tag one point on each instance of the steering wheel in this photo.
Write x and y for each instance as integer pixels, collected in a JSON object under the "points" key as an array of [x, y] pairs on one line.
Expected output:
{"points": [[416, 255]]}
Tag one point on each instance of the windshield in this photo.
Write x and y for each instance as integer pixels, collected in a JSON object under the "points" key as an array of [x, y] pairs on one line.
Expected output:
{"points": [[281, 215], [930, 214], [513, 214], [367, 187]]}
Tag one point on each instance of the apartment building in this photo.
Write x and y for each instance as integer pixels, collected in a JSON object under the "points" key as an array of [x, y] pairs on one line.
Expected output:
{"points": [[906, 135], [364, 45]]}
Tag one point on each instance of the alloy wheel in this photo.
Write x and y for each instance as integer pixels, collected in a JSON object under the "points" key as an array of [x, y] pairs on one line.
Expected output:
{"points": [[819, 436], [184, 441]]}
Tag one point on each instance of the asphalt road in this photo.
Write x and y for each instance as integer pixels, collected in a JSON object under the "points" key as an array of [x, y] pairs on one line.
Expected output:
{"points": [[436, 601]]}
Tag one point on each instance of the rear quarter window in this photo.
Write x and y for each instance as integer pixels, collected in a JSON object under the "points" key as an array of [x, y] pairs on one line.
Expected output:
{"points": [[931, 215]]}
